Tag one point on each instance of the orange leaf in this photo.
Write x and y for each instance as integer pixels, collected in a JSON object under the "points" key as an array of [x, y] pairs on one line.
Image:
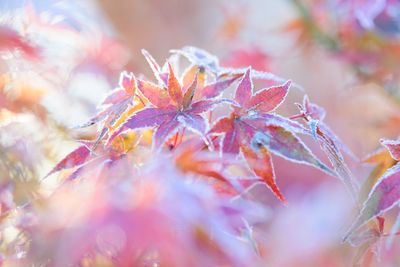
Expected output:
{"points": [[261, 164]]}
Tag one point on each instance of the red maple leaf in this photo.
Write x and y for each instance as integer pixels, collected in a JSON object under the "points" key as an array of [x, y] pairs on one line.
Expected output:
{"points": [[252, 129], [173, 106]]}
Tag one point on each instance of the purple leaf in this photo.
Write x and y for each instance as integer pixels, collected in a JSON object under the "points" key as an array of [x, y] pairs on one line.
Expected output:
{"points": [[149, 117], [194, 123], [215, 89], [244, 89], [206, 105], [164, 131]]}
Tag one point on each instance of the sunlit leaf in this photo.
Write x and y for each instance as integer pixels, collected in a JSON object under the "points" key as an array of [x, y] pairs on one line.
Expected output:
{"points": [[75, 158]]}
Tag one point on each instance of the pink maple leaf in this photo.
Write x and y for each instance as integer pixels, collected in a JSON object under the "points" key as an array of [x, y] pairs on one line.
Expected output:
{"points": [[254, 130]]}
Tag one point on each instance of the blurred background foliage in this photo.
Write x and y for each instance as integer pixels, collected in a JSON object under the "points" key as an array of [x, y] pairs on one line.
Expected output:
{"points": [[59, 59]]}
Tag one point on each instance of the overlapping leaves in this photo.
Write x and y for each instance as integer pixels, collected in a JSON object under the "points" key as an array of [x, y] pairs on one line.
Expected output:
{"points": [[255, 131], [172, 107], [176, 103], [385, 194]]}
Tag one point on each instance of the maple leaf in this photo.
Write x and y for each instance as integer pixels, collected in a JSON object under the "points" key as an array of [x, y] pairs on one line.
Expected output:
{"points": [[252, 129], [172, 109], [329, 143], [384, 195]]}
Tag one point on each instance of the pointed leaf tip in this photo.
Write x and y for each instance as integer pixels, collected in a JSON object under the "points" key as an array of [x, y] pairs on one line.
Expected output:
{"points": [[260, 162], [127, 81], [393, 146], [269, 99], [244, 89], [73, 159], [154, 66], [174, 87]]}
